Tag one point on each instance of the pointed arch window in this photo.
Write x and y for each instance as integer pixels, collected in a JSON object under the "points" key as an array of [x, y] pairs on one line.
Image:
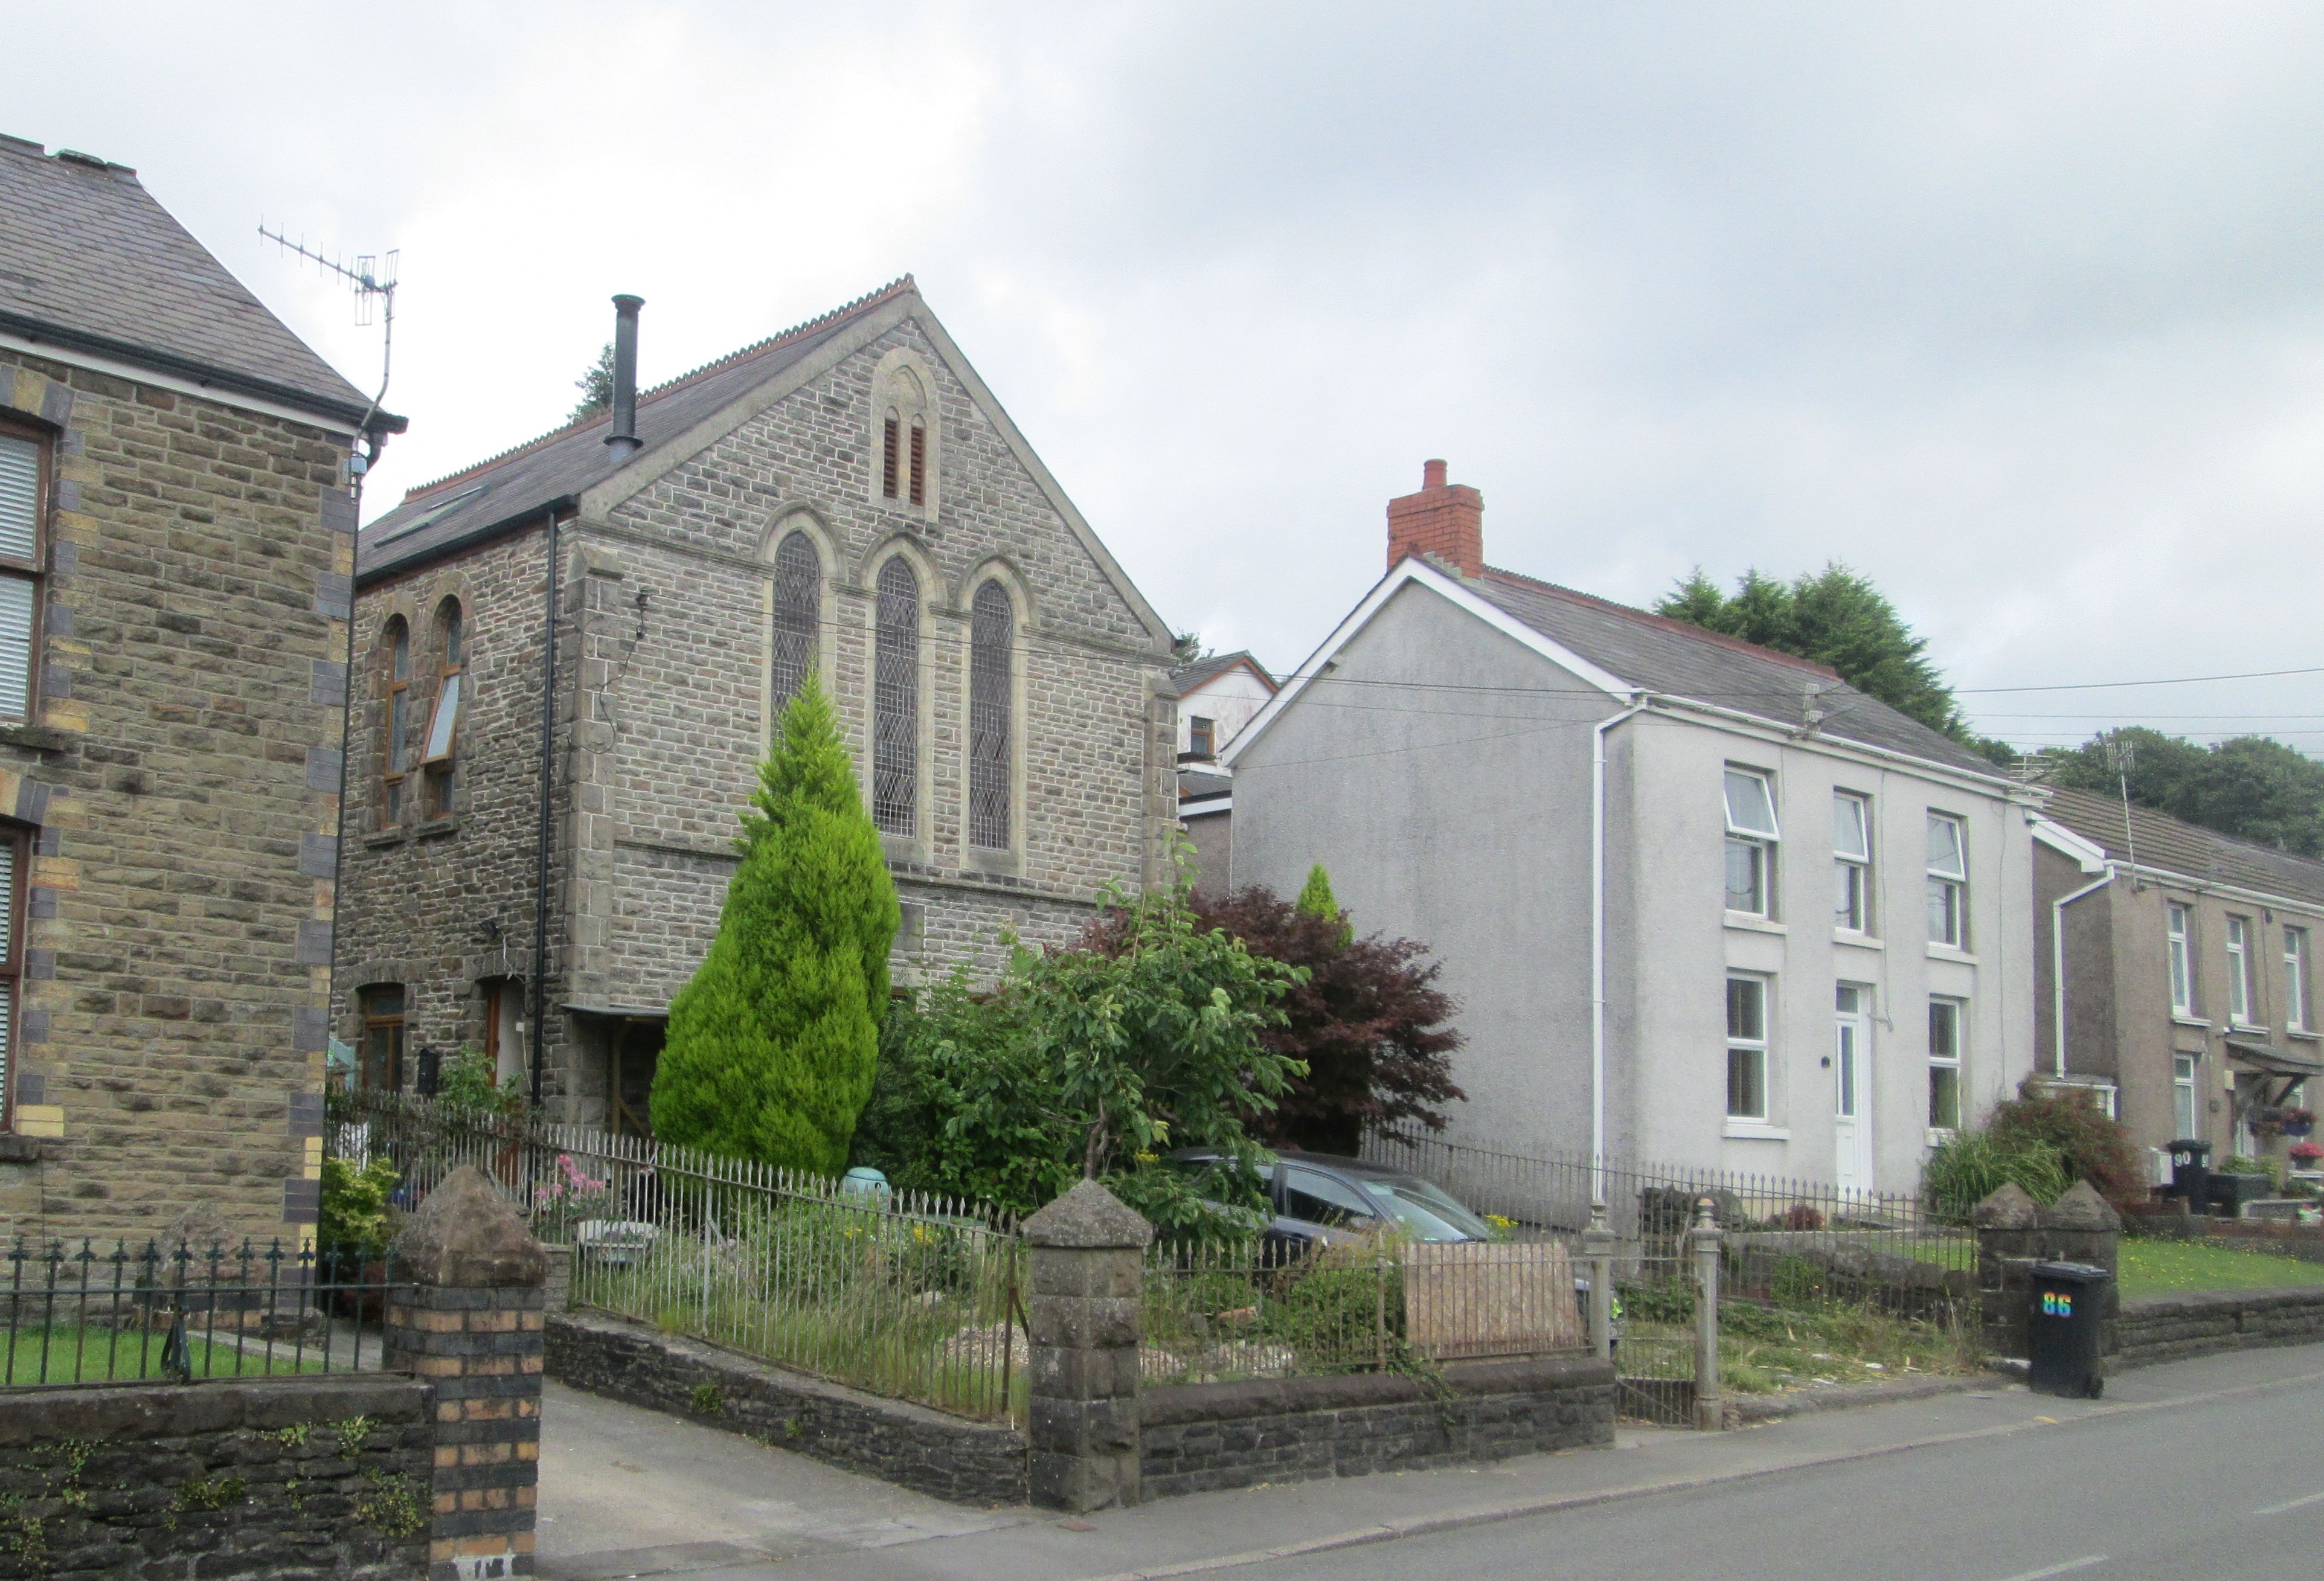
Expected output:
{"points": [[905, 434], [990, 701], [439, 756], [896, 700], [395, 755], [798, 615]]}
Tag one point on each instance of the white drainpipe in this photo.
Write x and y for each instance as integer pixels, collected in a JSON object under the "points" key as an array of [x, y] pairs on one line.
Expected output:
{"points": [[2058, 966], [1598, 946]]}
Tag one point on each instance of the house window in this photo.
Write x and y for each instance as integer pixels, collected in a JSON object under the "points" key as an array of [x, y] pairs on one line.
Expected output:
{"points": [[15, 867], [1747, 1048], [1851, 854], [990, 686], [2239, 967], [1203, 736], [2295, 979], [396, 754], [24, 464], [1948, 882], [1751, 836], [896, 700], [2179, 926], [1945, 1029], [381, 1067], [2182, 1097], [798, 615], [439, 765]]}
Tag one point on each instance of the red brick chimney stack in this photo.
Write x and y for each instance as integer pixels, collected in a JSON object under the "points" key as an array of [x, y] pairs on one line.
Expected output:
{"points": [[1443, 519]]}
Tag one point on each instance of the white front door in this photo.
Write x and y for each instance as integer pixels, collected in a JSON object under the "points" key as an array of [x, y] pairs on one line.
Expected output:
{"points": [[1851, 1089]]}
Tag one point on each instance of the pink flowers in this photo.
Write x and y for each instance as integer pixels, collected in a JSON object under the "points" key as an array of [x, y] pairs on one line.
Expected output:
{"points": [[570, 1183]]}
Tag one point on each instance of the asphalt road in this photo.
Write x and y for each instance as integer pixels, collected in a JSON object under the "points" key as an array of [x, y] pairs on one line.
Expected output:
{"points": [[2199, 1492]]}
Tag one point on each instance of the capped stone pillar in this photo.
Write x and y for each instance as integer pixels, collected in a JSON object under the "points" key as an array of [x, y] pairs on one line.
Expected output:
{"points": [[469, 1323], [1088, 1261]]}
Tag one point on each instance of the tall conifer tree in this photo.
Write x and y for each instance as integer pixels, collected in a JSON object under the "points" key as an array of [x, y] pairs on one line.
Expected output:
{"points": [[772, 1045]]}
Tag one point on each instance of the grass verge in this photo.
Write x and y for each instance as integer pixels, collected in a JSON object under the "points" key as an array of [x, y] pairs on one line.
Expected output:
{"points": [[2150, 1268]]}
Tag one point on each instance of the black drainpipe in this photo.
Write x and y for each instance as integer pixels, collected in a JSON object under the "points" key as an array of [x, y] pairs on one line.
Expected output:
{"points": [[540, 876]]}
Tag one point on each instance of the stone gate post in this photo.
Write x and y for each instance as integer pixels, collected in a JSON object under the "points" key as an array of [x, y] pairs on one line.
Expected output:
{"points": [[469, 1324], [1710, 1404], [1088, 1262], [1597, 1248]]}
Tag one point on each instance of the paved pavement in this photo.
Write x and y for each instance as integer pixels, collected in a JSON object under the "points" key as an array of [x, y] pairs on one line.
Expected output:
{"points": [[2193, 1470]]}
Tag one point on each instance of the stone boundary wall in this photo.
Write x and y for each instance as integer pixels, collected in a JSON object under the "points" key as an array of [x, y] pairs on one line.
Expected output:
{"points": [[1196, 1438], [966, 1462], [323, 1478], [2167, 1329]]}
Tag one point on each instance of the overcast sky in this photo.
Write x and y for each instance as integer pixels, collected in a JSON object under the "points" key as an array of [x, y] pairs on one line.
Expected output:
{"points": [[2017, 310]]}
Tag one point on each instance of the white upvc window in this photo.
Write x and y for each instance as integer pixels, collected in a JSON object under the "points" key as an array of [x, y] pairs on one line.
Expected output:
{"points": [[2295, 979], [1948, 882], [2179, 925], [1747, 1048], [1751, 837], [24, 464], [1851, 862], [1948, 1025], [2182, 1097], [2239, 968]]}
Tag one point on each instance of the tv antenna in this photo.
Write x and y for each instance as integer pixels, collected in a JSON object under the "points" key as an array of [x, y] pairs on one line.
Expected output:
{"points": [[373, 284]]}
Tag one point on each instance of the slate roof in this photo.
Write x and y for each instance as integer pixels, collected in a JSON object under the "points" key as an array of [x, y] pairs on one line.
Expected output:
{"points": [[522, 483], [2175, 845], [1672, 657], [1186, 677], [89, 261]]}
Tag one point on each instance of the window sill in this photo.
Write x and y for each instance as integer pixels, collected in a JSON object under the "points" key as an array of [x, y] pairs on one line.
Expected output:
{"points": [[1950, 952], [1744, 921], [439, 828], [2303, 1033], [1940, 1135], [2196, 1021], [1756, 1131], [1856, 941], [992, 864], [387, 837], [38, 737]]}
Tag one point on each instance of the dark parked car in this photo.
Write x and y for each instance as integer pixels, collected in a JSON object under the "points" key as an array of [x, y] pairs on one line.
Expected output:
{"points": [[1316, 1198]]}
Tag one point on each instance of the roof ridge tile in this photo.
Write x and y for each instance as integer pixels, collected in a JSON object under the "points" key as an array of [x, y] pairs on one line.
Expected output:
{"points": [[900, 286]]}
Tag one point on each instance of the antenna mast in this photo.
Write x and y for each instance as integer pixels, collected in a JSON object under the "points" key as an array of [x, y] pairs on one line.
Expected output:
{"points": [[370, 281]]}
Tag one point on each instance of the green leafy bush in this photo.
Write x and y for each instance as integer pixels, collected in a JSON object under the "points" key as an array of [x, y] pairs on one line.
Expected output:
{"points": [[356, 1218], [772, 1045], [2044, 1140], [465, 1083]]}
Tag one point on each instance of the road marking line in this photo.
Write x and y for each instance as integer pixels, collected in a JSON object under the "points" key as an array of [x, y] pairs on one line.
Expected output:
{"points": [[2294, 1504], [2084, 1563]]}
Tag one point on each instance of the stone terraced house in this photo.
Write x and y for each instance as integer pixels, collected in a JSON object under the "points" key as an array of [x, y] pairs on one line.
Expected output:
{"points": [[846, 498], [177, 537]]}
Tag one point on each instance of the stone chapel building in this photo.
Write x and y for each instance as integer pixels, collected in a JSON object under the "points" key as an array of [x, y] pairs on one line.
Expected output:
{"points": [[846, 498]]}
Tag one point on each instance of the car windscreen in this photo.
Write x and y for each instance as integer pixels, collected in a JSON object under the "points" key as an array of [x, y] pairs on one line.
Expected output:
{"points": [[1426, 1212]]}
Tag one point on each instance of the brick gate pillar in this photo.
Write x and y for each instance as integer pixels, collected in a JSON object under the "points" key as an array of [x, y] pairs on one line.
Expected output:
{"points": [[469, 1323], [1088, 1257]]}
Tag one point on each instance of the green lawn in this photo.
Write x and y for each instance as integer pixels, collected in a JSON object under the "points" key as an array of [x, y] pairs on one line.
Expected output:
{"points": [[2168, 1268], [67, 1354]]}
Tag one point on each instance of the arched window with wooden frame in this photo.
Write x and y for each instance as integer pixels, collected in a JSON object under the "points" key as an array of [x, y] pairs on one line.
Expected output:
{"points": [[991, 702], [440, 760], [796, 622], [896, 700], [395, 717]]}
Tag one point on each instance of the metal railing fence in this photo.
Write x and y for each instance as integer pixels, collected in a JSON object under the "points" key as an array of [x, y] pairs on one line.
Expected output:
{"points": [[914, 1296], [1786, 1239], [1214, 1311], [79, 1315]]}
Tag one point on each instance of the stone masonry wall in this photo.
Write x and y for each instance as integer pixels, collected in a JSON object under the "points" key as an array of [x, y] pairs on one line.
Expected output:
{"points": [[966, 1462], [182, 778], [325, 1479], [2165, 1328], [662, 719], [1202, 1436], [441, 906]]}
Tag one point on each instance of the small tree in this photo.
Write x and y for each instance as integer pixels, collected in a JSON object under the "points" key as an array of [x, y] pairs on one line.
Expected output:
{"points": [[772, 1045], [1365, 1018], [596, 387]]}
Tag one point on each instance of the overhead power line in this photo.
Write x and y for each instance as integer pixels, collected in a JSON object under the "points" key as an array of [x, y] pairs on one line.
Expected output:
{"points": [[2108, 685]]}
